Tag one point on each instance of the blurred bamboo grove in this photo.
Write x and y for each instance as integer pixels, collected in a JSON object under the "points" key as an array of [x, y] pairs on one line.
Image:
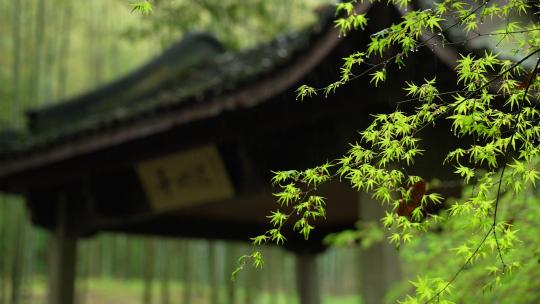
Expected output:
{"points": [[117, 268], [50, 50]]}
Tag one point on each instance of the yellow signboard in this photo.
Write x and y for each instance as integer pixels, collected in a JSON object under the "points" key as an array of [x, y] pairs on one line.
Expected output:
{"points": [[184, 179]]}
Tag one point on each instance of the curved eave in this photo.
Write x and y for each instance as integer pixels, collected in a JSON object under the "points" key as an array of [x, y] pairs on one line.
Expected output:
{"points": [[249, 95]]}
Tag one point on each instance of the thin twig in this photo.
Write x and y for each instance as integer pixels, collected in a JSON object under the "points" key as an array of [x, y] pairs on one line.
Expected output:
{"points": [[492, 229], [469, 259], [496, 207]]}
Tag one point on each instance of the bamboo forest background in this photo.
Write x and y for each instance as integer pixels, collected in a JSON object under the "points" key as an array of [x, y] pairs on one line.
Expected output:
{"points": [[50, 50]]}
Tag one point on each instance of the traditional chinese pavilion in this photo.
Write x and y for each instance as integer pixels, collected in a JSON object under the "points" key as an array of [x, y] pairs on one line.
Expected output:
{"points": [[185, 145]]}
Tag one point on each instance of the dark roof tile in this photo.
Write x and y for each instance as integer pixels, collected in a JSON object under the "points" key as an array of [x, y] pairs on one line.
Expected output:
{"points": [[194, 69]]}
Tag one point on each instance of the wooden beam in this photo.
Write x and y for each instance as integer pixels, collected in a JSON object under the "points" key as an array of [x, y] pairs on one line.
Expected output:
{"points": [[62, 264], [380, 267], [307, 278]]}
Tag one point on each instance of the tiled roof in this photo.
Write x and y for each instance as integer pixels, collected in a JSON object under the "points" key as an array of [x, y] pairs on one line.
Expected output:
{"points": [[193, 70]]}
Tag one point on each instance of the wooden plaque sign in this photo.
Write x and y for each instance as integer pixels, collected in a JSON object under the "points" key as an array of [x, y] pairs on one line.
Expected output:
{"points": [[185, 179]]}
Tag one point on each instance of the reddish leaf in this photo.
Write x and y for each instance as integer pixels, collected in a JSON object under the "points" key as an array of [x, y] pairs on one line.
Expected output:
{"points": [[525, 83], [417, 191]]}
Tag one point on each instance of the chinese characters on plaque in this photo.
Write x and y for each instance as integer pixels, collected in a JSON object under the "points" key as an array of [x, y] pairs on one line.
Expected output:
{"points": [[185, 179]]}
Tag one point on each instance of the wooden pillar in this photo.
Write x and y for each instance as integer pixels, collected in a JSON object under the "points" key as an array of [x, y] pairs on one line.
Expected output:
{"points": [[307, 278], [380, 267], [62, 264]]}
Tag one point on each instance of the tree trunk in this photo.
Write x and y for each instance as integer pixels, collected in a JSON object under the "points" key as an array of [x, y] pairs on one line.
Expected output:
{"points": [[3, 248], [96, 45], [84, 272], [29, 259], [148, 270], [166, 273], [232, 257], [17, 263], [273, 281], [213, 273], [38, 51], [51, 54], [251, 285], [64, 49], [188, 273], [16, 67], [95, 257]]}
